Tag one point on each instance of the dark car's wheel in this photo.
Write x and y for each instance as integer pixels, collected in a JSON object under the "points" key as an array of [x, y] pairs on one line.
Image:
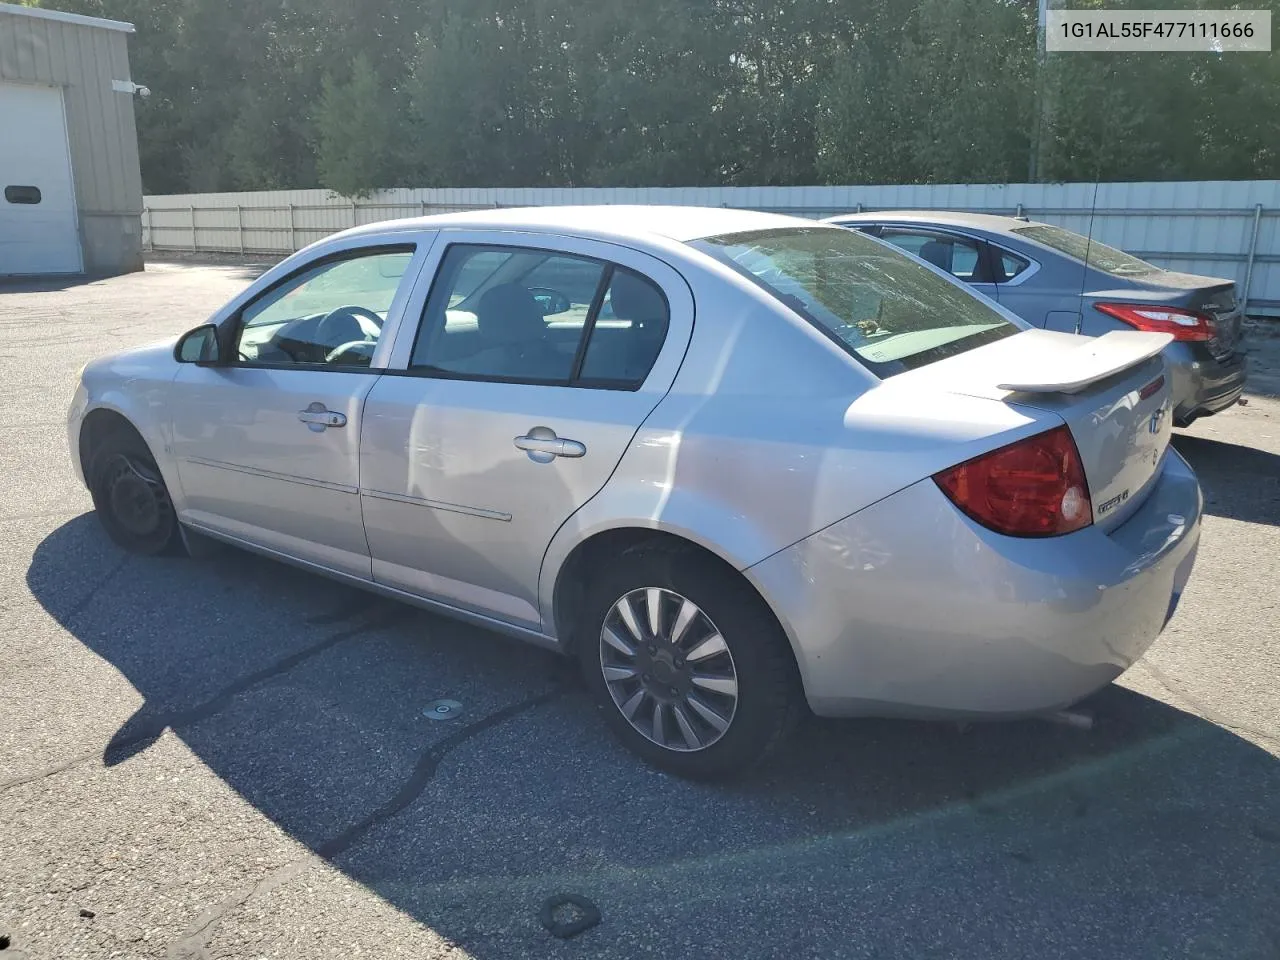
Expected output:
{"points": [[687, 664], [130, 497]]}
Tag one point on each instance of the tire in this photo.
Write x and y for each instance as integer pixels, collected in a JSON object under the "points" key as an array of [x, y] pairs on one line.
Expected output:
{"points": [[683, 680], [130, 496]]}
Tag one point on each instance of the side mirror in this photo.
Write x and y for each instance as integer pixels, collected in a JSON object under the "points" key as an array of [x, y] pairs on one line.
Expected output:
{"points": [[198, 346]]}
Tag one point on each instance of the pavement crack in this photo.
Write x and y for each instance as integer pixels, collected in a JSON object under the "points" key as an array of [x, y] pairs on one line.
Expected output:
{"points": [[425, 770], [88, 598], [148, 728], [194, 944], [50, 771], [144, 728]]}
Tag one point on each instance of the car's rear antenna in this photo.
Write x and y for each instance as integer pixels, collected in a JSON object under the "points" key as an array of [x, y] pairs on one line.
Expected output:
{"points": [[1088, 243]]}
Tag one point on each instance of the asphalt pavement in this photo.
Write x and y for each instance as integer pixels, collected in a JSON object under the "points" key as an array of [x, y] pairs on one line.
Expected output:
{"points": [[229, 758]]}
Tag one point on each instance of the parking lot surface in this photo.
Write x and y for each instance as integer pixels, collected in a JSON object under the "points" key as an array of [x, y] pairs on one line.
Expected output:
{"points": [[229, 758]]}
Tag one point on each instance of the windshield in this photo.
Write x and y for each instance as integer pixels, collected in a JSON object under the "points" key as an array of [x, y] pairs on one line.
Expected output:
{"points": [[881, 305], [1101, 257]]}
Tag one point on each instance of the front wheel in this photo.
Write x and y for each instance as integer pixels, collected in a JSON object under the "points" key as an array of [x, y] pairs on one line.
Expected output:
{"points": [[687, 664], [130, 497]]}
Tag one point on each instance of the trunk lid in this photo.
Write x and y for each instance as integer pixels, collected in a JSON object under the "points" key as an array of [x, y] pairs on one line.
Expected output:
{"points": [[1111, 391], [1210, 295]]}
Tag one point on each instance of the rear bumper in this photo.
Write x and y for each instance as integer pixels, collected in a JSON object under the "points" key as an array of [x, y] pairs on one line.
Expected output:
{"points": [[1202, 385], [909, 608]]}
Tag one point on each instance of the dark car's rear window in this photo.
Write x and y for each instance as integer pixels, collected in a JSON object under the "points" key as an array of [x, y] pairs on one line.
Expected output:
{"points": [[888, 311], [1100, 256]]}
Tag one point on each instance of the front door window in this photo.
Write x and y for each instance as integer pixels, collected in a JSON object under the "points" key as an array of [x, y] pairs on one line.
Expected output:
{"points": [[330, 314]]}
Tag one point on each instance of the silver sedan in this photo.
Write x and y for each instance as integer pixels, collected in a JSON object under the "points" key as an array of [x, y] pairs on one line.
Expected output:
{"points": [[735, 463]]}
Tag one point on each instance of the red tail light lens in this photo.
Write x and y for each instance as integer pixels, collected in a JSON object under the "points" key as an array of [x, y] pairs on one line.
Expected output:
{"points": [[1183, 324], [1033, 488]]}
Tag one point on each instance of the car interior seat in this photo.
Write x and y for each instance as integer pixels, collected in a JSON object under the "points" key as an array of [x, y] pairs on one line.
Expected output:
{"points": [[937, 253], [628, 354], [513, 334]]}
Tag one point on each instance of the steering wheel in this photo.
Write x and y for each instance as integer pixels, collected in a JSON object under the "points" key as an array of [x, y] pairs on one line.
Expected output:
{"points": [[357, 353], [331, 329]]}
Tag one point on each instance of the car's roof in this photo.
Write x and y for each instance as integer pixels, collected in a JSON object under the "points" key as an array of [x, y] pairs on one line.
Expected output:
{"points": [[992, 223], [601, 221]]}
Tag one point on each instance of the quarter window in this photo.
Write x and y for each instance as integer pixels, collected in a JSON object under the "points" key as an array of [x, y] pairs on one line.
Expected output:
{"points": [[1011, 265], [331, 313], [539, 316]]}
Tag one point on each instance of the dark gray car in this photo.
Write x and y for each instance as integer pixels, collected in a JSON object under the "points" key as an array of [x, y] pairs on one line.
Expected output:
{"points": [[1039, 272]]}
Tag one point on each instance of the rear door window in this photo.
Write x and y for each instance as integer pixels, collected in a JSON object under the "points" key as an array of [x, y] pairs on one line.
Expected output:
{"points": [[959, 256], [524, 315], [887, 310]]}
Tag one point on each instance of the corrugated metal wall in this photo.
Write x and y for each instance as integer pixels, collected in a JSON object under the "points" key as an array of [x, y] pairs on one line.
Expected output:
{"points": [[1199, 227], [83, 60]]}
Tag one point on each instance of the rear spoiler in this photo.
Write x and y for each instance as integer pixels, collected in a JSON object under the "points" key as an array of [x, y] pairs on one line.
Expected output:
{"points": [[1073, 369]]}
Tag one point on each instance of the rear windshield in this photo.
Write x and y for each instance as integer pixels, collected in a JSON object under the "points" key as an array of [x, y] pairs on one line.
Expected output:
{"points": [[1101, 257], [880, 304]]}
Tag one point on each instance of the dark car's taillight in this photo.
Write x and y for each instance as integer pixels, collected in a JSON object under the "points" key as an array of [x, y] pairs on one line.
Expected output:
{"points": [[1183, 324], [1032, 488]]}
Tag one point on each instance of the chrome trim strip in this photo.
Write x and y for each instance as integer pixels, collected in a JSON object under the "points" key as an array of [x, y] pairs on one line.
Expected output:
{"points": [[438, 505], [270, 475], [435, 606]]}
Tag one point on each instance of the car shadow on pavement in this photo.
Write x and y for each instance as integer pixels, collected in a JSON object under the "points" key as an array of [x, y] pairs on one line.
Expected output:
{"points": [[1155, 834], [1239, 482], [45, 284]]}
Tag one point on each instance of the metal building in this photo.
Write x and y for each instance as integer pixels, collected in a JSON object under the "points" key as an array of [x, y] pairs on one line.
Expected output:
{"points": [[72, 191]]}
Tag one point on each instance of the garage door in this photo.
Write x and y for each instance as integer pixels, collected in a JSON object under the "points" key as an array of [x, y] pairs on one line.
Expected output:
{"points": [[38, 226]]}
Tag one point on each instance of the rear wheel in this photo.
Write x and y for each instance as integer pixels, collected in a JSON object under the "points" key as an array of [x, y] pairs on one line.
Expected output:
{"points": [[130, 496], [687, 664]]}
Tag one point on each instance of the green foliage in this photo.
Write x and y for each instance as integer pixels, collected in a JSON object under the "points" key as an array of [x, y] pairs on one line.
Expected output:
{"points": [[255, 94], [355, 124]]}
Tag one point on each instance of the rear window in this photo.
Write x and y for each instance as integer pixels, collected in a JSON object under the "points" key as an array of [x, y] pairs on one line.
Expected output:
{"points": [[883, 307], [1101, 257]]}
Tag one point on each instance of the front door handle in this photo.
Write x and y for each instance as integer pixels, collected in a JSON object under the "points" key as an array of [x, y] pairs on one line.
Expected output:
{"points": [[543, 446], [318, 417]]}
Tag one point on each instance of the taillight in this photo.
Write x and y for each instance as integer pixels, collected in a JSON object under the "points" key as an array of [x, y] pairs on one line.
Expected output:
{"points": [[1183, 324], [1033, 488]]}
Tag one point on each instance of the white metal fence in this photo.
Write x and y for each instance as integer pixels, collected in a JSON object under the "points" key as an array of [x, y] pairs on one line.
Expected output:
{"points": [[1219, 228]]}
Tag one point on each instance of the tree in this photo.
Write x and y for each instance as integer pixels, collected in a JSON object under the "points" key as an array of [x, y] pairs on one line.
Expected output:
{"points": [[354, 132], [255, 94]]}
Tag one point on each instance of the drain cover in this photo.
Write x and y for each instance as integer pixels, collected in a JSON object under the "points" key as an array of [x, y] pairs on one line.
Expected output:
{"points": [[442, 710]]}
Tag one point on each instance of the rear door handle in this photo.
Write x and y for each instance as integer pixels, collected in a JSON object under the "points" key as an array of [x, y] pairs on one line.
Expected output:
{"points": [[317, 417], [543, 445]]}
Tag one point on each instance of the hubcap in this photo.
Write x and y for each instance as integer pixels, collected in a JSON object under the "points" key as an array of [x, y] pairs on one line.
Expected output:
{"points": [[138, 501], [668, 669]]}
